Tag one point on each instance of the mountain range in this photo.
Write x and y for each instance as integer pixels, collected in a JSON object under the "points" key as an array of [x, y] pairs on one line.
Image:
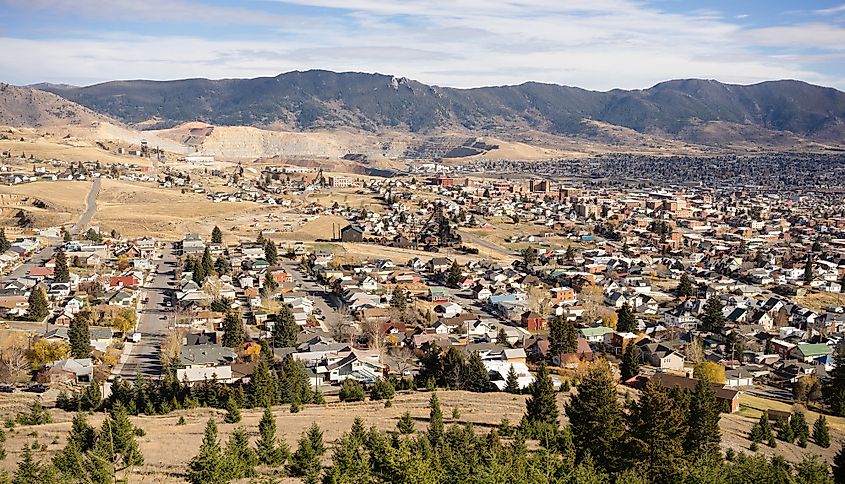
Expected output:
{"points": [[318, 99]]}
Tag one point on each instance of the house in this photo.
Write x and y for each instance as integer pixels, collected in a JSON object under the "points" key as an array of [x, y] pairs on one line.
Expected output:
{"points": [[738, 378], [661, 356], [727, 397], [533, 321], [73, 371], [499, 369], [351, 233], [807, 352], [594, 334], [359, 365], [439, 264], [439, 294], [205, 362]]}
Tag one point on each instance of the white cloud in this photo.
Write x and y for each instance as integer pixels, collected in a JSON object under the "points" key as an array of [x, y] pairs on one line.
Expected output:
{"points": [[597, 44]]}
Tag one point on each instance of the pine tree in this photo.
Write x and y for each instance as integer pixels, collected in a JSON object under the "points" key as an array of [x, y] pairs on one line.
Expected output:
{"points": [[271, 253], [208, 467], [821, 432], [4, 242], [285, 329], [399, 299], [658, 428], [405, 425], [436, 430], [541, 406], [269, 450], [37, 304], [833, 387], [626, 322], [239, 458], [216, 235], [839, 465], [703, 435], [78, 335], [28, 471], [808, 269], [595, 416], [233, 413], [270, 284], [455, 273], [713, 320], [630, 366], [685, 289], [512, 381], [233, 330], [61, 273], [198, 273], [116, 441], [563, 338], [315, 435], [800, 429], [207, 262], [785, 432], [350, 461], [476, 378], [305, 462], [82, 434], [502, 338]]}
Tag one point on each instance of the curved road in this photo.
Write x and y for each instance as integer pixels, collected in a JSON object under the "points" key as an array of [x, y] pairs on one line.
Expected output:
{"points": [[90, 207]]}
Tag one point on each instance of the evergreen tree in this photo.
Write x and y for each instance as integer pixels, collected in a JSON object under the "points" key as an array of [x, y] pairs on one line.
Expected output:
{"points": [[269, 450], [630, 366], [270, 284], [29, 471], [78, 335], [216, 235], [271, 253], [233, 413], [785, 432], [82, 434], [685, 289], [563, 338], [502, 338], [626, 322], [808, 269], [595, 416], [221, 266], [821, 432], [512, 381], [350, 461], [455, 273], [382, 390], [207, 262], [762, 430], [476, 378], [541, 406], [436, 430], [399, 299], [61, 273], [658, 428], [294, 384], [405, 425], [833, 387], [233, 330], [198, 273], [285, 329], [713, 320], [800, 429], [453, 368], [208, 467], [239, 458], [351, 391], [305, 462], [703, 435], [116, 444], [839, 465], [37, 304], [4, 242]]}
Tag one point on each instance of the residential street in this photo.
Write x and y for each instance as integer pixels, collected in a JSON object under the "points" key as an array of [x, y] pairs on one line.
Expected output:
{"points": [[326, 302], [154, 321], [90, 207]]}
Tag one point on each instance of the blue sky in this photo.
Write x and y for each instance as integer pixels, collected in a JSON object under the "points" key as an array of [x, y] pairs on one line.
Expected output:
{"points": [[595, 44]]}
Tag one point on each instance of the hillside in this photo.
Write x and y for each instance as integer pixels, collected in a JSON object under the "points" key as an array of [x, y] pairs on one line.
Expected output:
{"points": [[24, 107], [315, 100]]}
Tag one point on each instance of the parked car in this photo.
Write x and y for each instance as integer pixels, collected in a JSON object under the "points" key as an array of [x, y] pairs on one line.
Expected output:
{"points": [[37, 388], [7, 389]]}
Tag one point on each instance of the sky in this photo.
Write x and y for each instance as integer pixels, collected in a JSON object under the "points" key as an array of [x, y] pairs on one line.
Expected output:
{"points": [[594, 44]]}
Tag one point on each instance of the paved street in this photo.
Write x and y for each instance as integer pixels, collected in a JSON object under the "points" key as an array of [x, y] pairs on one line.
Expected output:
{"points": [[154, 321], [326, 302]]}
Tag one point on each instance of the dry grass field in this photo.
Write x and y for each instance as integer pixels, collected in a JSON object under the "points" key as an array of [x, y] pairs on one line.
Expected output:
{"points": [[167, 447], [820, 301], [65, 201]]}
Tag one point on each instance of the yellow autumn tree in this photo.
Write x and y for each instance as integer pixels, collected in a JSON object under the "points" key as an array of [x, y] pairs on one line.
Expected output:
{"points": [[43, 352], [713, 371]]}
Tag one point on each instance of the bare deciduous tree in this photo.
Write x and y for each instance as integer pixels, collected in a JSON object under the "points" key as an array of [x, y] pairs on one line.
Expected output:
{"points": [[13, 364]]}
